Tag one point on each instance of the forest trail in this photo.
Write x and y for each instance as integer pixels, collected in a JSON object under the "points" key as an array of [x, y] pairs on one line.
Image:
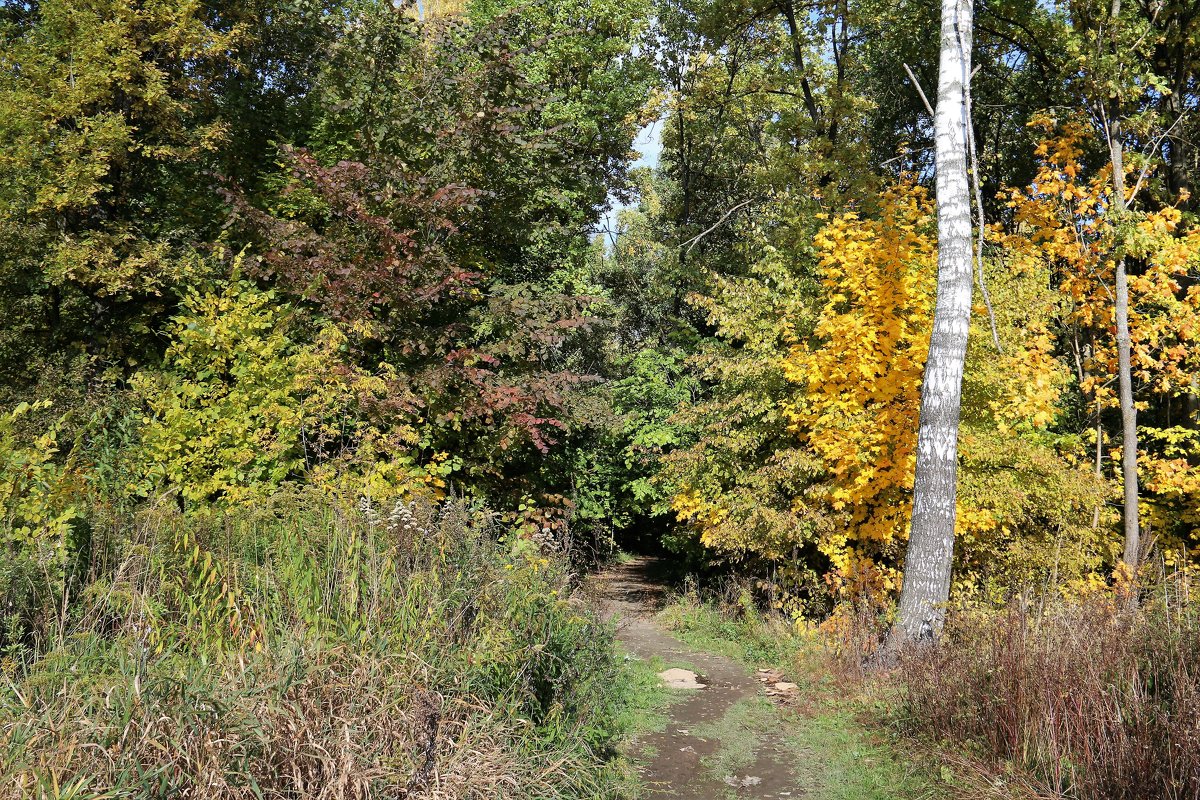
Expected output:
{"points": [[685, 760]]}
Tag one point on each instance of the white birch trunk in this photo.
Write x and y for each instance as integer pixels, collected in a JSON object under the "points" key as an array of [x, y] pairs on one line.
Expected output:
{"points": [[931, 541]]}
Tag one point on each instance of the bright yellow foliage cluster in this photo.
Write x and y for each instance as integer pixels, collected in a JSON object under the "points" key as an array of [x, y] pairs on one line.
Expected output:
{"points": [[1065, 219], [852, 415], [861, 371]]}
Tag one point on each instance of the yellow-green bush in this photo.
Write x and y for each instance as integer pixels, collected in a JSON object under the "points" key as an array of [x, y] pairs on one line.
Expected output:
{"points": [[38, 519], [252, 393], [225, 416]]}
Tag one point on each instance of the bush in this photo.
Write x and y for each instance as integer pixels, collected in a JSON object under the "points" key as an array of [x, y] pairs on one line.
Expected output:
{"points": [[306, 650], [39, 532], [1092, 702]]}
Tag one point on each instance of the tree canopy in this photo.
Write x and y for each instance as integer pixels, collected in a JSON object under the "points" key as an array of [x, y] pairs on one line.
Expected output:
{"points": [[357, 245]]}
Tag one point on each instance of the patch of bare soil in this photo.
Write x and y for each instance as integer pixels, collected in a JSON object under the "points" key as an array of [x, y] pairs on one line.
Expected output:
{"points": [[673, 759]]}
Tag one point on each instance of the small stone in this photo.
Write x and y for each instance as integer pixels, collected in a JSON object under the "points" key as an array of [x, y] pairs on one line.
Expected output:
{"points": [[676, 678]]}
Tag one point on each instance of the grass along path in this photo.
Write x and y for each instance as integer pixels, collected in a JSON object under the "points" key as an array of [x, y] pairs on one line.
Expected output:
{"points": [[729, 739]]}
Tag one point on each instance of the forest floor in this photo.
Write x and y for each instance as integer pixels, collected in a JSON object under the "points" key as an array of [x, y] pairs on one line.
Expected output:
{"points": [[741, 736]]}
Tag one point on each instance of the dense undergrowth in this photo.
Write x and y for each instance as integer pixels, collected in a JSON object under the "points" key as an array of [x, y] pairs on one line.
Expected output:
{"points": [[1080, 700], [1087, 699], [306, 650]]}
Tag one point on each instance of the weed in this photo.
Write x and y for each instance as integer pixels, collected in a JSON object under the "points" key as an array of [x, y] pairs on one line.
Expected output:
{"points": [[740, 732], [853, 765], [1087, 700], [740, 632], [641, 696], [305, 650]]}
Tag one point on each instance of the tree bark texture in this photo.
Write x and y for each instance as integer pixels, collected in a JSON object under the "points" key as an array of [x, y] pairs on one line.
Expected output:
{"points": [[927, 564], [1129, 436]]}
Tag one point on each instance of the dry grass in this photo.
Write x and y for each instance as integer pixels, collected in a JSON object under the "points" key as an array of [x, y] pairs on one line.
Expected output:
{"points": [[324, 725], [1080, 701], [306, 651]]}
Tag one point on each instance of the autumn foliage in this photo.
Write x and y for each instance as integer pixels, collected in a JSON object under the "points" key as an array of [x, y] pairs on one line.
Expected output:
{"points": [[852, 404]]}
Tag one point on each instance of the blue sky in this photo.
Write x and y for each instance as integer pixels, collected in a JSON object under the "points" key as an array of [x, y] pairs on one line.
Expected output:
{"points": [[648, 145]]}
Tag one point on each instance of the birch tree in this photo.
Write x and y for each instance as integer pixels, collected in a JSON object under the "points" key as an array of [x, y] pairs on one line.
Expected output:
{"points": [[931, 541]]}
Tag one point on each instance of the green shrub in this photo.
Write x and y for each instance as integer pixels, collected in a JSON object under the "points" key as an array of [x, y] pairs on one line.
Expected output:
{"points": [[39, 523]]}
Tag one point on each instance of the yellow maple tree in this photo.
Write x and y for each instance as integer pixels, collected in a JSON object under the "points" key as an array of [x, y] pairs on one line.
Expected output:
{"points": [[860, 377], [861, 372], [1062, 219]]}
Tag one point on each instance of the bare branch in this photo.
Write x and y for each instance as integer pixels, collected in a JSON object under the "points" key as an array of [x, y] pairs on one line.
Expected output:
{"points": [[983, 290], [690, 243], [1145, 170], [917, 85]]}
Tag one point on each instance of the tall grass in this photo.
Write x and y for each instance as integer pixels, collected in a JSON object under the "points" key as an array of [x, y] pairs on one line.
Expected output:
{"points": [[729, 621], [1088, 700], [306, 650]]}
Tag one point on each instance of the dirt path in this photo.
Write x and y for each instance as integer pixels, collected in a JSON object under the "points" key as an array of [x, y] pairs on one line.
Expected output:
{"points": [[679, 763]]}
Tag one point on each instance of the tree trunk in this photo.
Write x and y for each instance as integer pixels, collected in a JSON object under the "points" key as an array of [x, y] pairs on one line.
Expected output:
{"points": [[1129, 438], [927, 564]]}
